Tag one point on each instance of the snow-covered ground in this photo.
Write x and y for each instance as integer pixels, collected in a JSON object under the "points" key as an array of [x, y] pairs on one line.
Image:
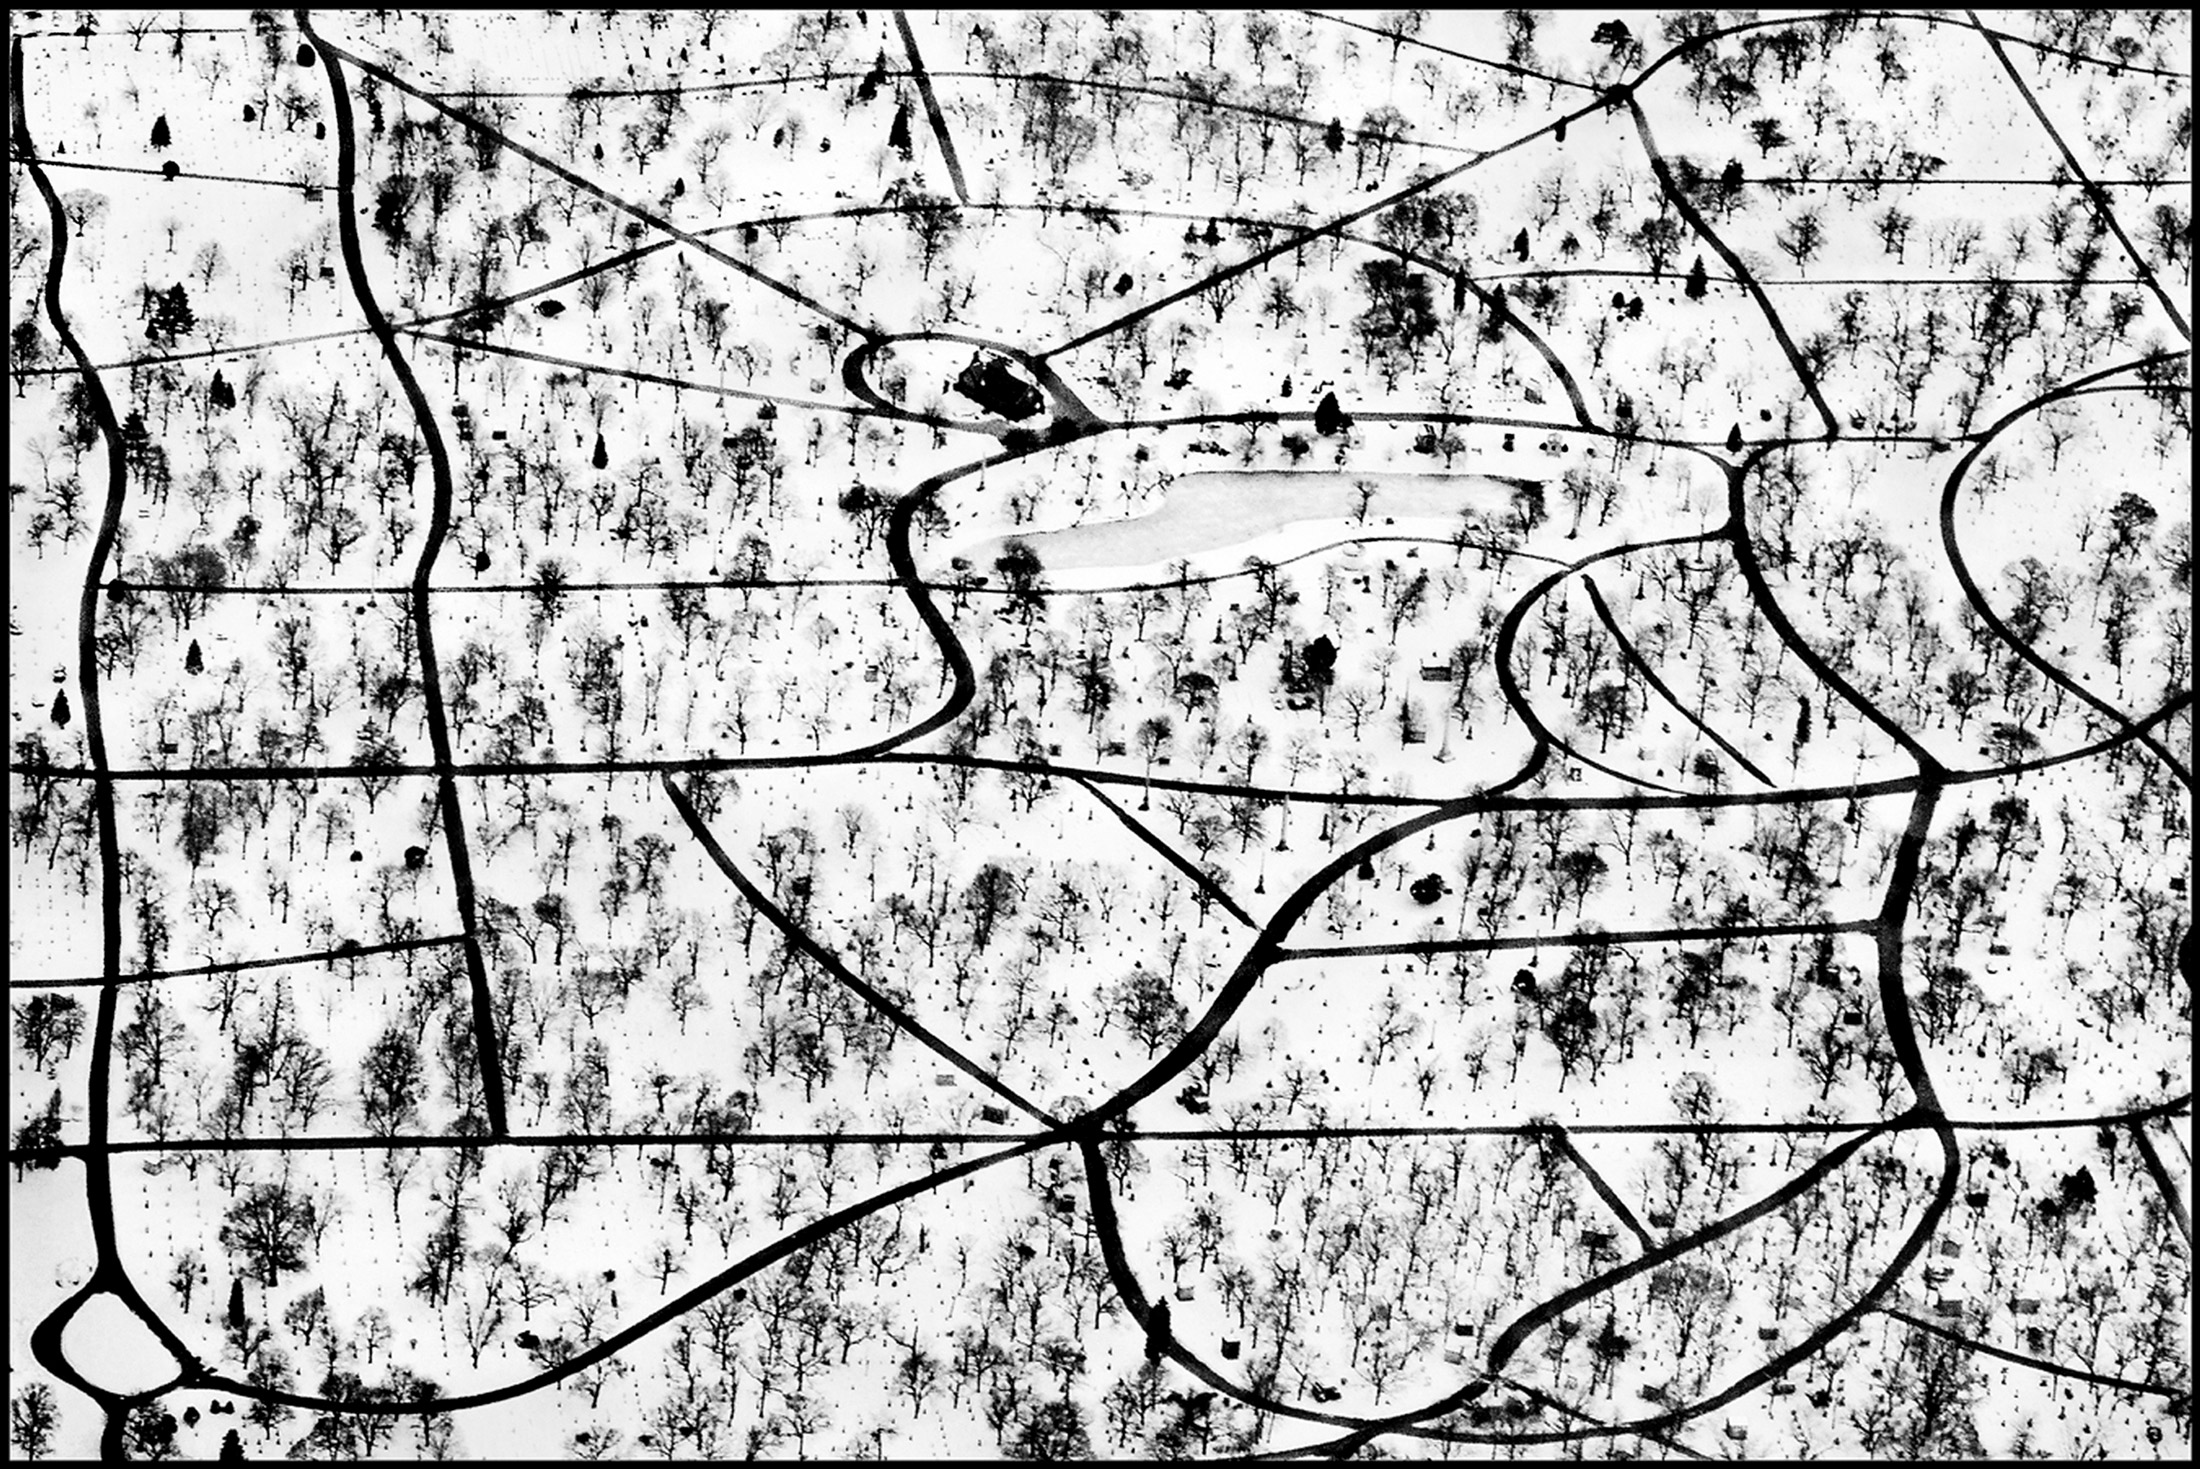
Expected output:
{"points": [[1632, 898]]}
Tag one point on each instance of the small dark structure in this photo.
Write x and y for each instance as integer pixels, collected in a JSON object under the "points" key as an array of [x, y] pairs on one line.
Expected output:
{"points": [[989, 383]]}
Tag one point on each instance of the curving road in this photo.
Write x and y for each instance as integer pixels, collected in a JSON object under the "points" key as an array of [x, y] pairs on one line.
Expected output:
{"points": [[1109, 1121]]}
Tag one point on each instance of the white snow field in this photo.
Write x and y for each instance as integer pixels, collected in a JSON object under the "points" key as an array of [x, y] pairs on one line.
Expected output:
{"points": [[1125, 734]]}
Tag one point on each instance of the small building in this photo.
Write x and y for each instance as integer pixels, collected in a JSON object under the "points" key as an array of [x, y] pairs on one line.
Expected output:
{"points": [[1436, 672], [994, 1115], [988, 382]]}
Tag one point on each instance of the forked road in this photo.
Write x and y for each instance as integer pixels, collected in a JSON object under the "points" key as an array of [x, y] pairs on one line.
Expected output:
{"points": [[488, 1055], [1111, 1119]]}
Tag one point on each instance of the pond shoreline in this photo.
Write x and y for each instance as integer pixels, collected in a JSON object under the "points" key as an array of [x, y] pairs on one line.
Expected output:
{"points": [[1211, 511]]}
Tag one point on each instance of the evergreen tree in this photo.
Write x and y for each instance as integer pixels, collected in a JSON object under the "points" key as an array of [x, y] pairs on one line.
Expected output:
{"points": [[1333, 136], [42, 1131], [160, 131], [232, 1448], [171, 316], [599, 459], [897, 135], [1698, 281], [236, 1304], [1320, 662], [873, 78], [219, 395], [136, 438], [1328, 417], [177, 303], [1496, 313]]}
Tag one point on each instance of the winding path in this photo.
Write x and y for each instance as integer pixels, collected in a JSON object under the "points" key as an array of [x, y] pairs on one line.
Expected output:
{"points": [[1111, 1120], [108, 1275], [488, 1055]]}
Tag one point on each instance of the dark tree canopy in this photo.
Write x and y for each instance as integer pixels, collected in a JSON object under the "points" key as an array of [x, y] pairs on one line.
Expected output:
{"points": [[1021, 571], [994, 386], [268, 1229], [1329, 419]]}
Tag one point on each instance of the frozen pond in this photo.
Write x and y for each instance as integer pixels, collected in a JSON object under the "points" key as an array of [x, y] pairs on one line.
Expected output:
{"points": [[1214, 510]]}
